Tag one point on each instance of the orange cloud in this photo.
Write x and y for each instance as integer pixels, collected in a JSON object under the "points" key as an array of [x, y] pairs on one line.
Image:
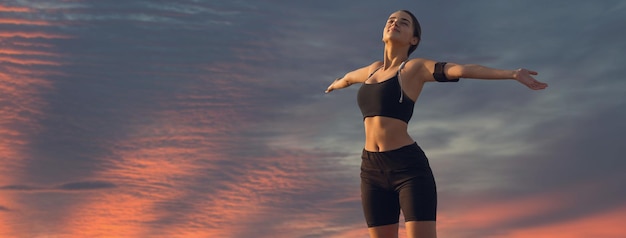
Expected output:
{"points": [[22, 107], [499, 217], [13, 21], [145, 175], [171, 181], [6, 34], [28, 75], [26, 52], [487, 215], [153, 169], [4, 8], [7, 213], [29, 61], [31, 44], [609, 224]]}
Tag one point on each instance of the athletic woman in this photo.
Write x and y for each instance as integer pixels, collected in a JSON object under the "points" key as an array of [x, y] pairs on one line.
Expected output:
{"points": [[395, 173]]}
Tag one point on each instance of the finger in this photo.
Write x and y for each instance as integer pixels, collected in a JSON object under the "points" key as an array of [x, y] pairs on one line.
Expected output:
{"points": [[533, 84], [532, 72], [541, 86]]}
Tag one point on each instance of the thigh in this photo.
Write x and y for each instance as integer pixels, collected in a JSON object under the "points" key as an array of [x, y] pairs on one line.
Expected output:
{"points": [[418, 199], [380, 206]]}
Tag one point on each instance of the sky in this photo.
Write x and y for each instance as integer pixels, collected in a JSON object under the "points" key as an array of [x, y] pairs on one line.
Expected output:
{"points": [[190, 118]]}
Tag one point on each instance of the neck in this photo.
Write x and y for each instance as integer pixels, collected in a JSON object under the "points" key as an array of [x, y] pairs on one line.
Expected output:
{"points": [[394, 56]]}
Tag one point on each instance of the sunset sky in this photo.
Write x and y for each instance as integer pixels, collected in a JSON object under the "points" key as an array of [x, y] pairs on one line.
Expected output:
{"points": [[191, 118]]}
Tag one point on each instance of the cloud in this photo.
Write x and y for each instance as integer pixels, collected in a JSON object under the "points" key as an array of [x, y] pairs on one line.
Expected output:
{"points": [[72, 186], [85, 185], [532, 207], [30, 35], [19, 187], [23, 22], [596, 225], [25, 60], [4, 209], [5, 8]]}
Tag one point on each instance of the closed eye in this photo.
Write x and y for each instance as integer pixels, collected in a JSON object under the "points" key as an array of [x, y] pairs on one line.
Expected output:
{"points": [[403, 21]]}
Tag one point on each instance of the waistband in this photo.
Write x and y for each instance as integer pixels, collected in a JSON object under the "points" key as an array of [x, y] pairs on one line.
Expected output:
{"points": [[404, 157], [401, 149]]}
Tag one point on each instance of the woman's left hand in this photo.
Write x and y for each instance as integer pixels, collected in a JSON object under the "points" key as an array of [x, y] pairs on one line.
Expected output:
{"points": [[524, 76]]}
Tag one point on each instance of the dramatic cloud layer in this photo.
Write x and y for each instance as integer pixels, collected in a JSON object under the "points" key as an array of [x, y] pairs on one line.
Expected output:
{"points": [[201, 119]]}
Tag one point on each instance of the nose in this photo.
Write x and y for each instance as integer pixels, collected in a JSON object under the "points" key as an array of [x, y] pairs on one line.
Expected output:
{"points": [[394, 24]]}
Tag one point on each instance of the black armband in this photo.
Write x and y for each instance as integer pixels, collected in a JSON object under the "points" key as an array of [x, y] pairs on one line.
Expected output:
{"points": [[439, 75]]}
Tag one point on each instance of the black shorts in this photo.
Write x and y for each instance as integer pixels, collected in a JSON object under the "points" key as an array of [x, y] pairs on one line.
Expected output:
{"points": [[394, 180]]}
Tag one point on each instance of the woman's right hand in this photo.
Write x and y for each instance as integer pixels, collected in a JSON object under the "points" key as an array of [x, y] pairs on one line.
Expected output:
{"points": [[330, 87], [356, 76]]}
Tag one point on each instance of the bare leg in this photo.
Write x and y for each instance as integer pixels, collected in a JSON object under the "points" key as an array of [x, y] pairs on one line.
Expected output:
{"points": [[420, 229], [386, 231]]}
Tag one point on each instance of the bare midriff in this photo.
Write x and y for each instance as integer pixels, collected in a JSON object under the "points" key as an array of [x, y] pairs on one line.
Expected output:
{"points": [[385, 134]]}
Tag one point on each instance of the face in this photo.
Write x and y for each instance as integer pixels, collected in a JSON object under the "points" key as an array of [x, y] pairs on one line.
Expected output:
{"points": [[399, 28]]}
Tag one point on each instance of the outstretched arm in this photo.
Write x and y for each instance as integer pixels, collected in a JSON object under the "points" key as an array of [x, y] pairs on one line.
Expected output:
{"points": [[356, 76], [522, 75], [474, 71]]}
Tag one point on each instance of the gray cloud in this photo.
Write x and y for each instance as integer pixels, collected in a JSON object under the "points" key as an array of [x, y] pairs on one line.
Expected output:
{"points": [[86, 185], [19, 187], [72, 186]]}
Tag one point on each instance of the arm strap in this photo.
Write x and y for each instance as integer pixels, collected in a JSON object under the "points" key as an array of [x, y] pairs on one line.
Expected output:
{"points": [[439, 75]]}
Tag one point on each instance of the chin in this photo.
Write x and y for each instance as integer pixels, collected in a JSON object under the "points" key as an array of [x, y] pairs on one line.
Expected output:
{"points": [[388, 38]]}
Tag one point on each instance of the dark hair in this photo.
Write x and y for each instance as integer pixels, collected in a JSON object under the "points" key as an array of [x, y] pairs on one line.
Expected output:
{"points": [[417, 31]]}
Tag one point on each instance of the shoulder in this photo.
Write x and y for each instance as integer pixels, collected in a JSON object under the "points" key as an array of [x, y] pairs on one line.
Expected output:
{"points": [[419, 68], [418, 63], [375, 65], [421, 65], [361, 74], [416, 66]]}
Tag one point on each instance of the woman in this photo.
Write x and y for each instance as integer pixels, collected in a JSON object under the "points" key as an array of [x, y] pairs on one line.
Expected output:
{"points": [[395, 174]]}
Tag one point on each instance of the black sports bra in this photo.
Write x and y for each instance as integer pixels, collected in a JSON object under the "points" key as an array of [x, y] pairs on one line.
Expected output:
{"points": [[385, 98]]}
